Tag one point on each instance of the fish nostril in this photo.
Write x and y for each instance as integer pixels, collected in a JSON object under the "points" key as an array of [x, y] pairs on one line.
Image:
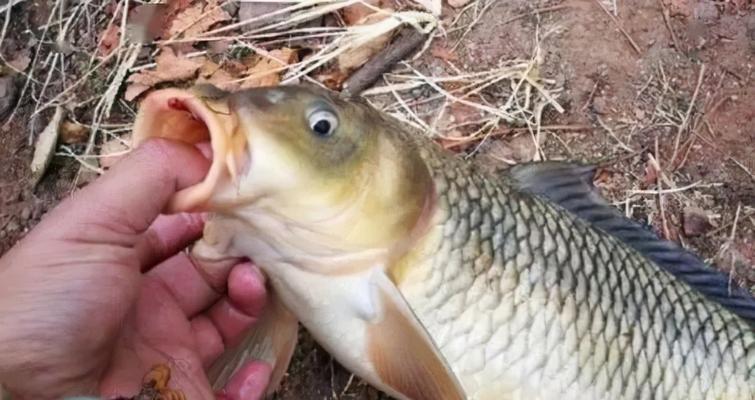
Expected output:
{"points": [[275, 96]]}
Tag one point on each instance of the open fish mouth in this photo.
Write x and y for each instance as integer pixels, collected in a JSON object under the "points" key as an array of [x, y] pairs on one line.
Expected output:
{"points": [[186, 116]]}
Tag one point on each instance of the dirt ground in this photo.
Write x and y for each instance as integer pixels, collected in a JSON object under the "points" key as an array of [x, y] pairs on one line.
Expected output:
{"points": [[686, 87]]}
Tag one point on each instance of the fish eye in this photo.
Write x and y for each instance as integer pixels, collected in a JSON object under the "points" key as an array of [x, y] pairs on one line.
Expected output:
{"points": [[323, 122]]}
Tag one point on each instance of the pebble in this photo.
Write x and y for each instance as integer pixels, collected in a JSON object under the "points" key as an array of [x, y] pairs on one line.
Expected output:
{"points": [[12, 226], [26, 213], [695, 222], [600, 105]]}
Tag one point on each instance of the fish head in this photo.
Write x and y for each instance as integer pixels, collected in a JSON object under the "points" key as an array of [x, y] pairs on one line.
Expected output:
{"points": [[299, 168], [326, 196]]}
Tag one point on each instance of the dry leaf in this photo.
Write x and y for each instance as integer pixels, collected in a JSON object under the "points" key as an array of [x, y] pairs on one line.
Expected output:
{"points": [[113, 150], [44, 147], [357, 12], [21, 61], [268, 70], [146, 22], [109, 39], [213, 74], [169, 68], [197, 19], [239, 68], [333, 79], [72, 132], [356, 57]]}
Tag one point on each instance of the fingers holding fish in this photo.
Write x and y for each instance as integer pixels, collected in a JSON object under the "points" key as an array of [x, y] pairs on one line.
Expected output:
{"points": [[248, 383], [134, 192], [229, 321], [168, 235]]}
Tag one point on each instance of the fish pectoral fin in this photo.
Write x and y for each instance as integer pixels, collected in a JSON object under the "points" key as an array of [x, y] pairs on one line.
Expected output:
{"points": [[272, 339], [405, 357]]}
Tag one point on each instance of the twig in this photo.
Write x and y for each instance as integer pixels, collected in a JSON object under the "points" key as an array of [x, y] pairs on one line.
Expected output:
{"points": [[10, 4], [536, 11], [613, 135], [621, 28], [667, 21], [657, 165], [685, 121], [502, 132], [406, 42], [470, 26], [736, 220], [733, 233], [666, 191], [740, 165], [348, 384], [590, 97]]}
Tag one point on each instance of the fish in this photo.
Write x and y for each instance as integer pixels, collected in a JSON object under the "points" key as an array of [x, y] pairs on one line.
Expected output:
{"points": [[434, 276]]}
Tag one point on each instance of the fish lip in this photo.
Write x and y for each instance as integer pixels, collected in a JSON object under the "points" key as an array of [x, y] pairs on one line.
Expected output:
{"points": [[149, 123]]}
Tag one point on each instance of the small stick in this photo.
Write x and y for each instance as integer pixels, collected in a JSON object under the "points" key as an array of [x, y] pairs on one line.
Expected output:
{"points": [[590, 97], [406, 42], [657, 164], [613, 135], [667, 21], [621, 28], [685, 121], [537, 11], [457, 142], [726, 226]]}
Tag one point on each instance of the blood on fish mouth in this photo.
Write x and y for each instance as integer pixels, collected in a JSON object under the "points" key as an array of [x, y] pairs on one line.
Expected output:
{"points": [[183, 116]]}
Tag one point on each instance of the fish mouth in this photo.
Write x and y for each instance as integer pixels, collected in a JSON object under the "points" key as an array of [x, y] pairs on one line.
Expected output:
{"points": [[184, 116]]}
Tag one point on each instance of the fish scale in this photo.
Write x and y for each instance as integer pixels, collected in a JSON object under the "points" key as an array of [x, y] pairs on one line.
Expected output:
{"points": [[574, 312]]}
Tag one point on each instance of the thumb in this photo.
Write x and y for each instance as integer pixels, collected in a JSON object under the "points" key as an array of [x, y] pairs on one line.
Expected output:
{"points": [[129, 197]]}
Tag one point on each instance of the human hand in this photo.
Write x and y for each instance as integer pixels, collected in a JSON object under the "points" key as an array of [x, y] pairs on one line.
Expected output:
{"points": [[99, 292]]}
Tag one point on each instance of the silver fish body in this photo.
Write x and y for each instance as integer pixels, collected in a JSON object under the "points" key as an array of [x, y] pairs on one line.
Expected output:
{"points": [[527, 301]]}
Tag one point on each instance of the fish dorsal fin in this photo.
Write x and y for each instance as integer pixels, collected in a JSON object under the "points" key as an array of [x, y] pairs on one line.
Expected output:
{"points": [[571, 186]]}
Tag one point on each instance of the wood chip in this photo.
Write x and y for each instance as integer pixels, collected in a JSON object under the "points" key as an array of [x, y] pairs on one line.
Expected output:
{"points": [[356, 57], [44, 147]]}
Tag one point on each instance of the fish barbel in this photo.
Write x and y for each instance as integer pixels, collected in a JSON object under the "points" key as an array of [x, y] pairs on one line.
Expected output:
{"points": [[436, 277]]}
